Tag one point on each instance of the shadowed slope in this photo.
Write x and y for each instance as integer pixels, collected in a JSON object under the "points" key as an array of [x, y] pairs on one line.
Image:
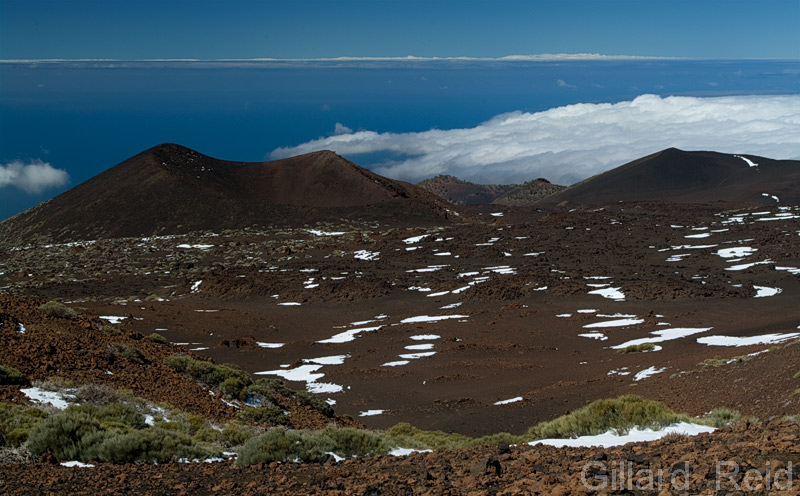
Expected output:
{"points": [[676, 176], [171, 189]]}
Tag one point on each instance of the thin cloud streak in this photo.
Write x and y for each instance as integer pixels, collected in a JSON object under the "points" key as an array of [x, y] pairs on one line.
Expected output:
{"points": [[33, 177], [568, 144]]}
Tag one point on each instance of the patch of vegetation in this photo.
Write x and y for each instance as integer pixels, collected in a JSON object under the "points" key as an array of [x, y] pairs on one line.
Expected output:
{"points": [[264, 415], [128, 352], [114, 433], [227, 377], [620, 414], [57, 309], [636, 348], [315, 402], [16, 422], [10, 376], [280, 444], [157, 338], [96, 394], [719, 361], [721, 417]]}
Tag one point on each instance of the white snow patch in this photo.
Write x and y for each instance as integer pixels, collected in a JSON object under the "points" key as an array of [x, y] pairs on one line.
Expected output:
{"points": [[370, 413], [747, 341], [737, 252], [199, 247], [510, 400], [327, 360], [270, 345], [615, 323], [749, 265], [644, 374], [415, 239], [397, 363], [424, 346], [366, 255], [664, 335], [347, 336], [77, 464], [113, 318], [302, 373], [317, 232], [637, 434], [749, 162], [594, 335], [414, 356], [323, 388], [428, 318], [289, 304], [764, 291], [697, 236], [610, 293], [424, 337], [407, 451], [41, 396]]}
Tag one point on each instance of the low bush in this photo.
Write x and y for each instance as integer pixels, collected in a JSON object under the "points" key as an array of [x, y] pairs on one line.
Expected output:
{"points": [[128, 352], [281, 445], [269, 416], [96, 394], [636, 348], [113, 433], [10, 376], [620, 414], [357, 442], [235, 379], [315, 402], [720, 417], [16, 422], [157, 338], [59, 310]]}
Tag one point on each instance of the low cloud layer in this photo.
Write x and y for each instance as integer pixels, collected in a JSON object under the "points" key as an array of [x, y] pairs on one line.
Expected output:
{"points": [[568, 144], [33, 177]]}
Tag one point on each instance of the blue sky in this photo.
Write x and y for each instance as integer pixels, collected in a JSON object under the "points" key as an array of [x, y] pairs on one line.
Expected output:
{"points": [[204, 29]]}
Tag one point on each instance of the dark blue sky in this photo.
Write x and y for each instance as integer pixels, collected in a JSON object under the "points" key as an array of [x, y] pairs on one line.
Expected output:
{"points": [[205, 29]]}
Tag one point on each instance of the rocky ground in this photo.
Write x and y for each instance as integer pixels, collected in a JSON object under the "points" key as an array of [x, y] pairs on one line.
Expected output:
{"points": [[743, 459], [439, 327]]}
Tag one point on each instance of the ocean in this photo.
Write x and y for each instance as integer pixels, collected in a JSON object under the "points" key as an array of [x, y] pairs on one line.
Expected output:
{"points": [[85, 117]]}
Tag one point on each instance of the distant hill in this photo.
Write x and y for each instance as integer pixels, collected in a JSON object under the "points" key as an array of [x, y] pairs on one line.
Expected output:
{"points": [[459, 192], [677, 176], [171, 189]]}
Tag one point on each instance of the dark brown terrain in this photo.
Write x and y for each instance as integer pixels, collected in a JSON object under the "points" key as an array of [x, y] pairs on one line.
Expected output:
{"points": [[677, 176], [460, 192], [526, 302]]}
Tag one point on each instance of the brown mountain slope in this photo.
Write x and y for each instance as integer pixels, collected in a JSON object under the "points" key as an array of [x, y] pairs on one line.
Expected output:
{"points": [[171, 189], [460, 192], [678, 176]]}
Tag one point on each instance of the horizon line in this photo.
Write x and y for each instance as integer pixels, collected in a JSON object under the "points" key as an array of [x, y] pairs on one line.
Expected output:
{"points": [[545, 57]]}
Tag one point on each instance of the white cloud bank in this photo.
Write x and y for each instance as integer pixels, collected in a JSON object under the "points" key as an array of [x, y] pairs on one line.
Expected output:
{"points": [[571, 143], [33, 177]]}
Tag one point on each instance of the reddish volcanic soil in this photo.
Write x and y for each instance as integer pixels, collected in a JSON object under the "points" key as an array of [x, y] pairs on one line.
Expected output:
{"points": [[435, 325]]}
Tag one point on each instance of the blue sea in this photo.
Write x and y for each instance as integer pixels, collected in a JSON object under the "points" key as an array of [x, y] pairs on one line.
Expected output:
{"points": [[85, 117]]}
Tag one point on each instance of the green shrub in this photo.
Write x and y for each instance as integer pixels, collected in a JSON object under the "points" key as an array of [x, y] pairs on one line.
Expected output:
{"points": [[281, 445], [236, 434], [620, 414], [157, 338], [128, 352], [357, 442], [16, 422], [96, 394], [9, 375], [114, 413], [315, 402], [264, 415], [149, 445], [235, 379], [720, 417], [59, 310], [635, 348], [68, 435], [406, 435]]}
